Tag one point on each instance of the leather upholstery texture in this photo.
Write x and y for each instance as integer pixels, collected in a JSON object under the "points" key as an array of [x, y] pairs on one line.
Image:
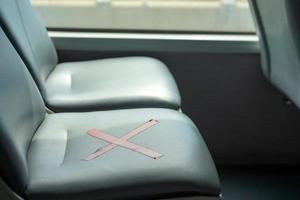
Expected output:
{"points": [[129, 82], [58, 147], [21, 112], [85, 86], [279, 31], [41, 154], [30, 38]]}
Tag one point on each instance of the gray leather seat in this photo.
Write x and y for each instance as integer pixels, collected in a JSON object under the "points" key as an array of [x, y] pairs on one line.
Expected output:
{"points": [[40, 154], [279, 31], [111, 83], [59, 173], [95, 85]]}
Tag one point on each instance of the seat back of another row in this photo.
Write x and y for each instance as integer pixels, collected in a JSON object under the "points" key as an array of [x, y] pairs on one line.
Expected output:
{"points": [[279, 30], [21, 112], [29, 37]]}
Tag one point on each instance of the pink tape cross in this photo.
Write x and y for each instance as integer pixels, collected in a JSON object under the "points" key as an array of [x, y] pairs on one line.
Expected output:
{"points": [[123, 141]]}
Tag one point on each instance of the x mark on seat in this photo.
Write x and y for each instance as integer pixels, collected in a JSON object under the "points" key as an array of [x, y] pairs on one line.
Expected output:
{"points": [[123, 142]]}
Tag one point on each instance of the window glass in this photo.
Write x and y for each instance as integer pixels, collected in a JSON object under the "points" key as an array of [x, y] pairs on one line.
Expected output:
{"points": [[148, 15]]}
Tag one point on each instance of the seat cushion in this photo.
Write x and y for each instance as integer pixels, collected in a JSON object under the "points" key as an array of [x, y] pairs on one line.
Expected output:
{"points": [[130, 82], [57, 170]]}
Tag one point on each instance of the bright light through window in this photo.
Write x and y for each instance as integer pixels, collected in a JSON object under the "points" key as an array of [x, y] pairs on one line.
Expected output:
{"points": [[148, 15]]}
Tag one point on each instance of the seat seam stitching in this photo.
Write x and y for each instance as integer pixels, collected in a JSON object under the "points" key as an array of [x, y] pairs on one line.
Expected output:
{"points": [[66, 146]]}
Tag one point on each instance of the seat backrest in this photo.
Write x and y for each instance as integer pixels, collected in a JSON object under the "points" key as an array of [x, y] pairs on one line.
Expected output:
{"points": [[21, 112], [30, 38], [279, 31]]}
